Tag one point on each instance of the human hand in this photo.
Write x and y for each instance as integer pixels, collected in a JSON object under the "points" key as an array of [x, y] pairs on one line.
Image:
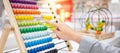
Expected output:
{"points": [[65, 32]]}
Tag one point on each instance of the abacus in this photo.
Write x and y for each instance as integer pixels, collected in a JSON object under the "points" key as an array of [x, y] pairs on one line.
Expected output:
{"points": [[32, 35], [97, 20]]}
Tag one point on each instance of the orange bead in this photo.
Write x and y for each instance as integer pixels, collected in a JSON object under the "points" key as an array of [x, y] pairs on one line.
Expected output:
{"points": [[27, 12], [98, 32], [23, 12], [38, 12]]}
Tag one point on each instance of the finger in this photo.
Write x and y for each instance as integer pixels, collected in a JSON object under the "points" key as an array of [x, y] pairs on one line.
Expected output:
{"points": [[52, 23], [58, 33]]}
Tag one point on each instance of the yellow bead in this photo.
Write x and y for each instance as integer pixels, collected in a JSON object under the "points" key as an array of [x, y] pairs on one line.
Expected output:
{"points": [[89, 26], [87, 19], [29, 17], [101, 25], [16, 17], [22, 17], [48, 17]]}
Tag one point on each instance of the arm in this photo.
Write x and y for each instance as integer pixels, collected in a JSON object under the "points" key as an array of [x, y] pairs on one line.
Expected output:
{"points": [[87, 44], [90, 45]]}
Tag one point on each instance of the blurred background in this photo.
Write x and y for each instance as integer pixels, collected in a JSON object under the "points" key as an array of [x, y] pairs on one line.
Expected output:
{"points": [[74, 11]]}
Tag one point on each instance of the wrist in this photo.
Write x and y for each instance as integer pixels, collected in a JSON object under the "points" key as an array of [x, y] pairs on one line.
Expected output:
{"points": [[76, 37]]}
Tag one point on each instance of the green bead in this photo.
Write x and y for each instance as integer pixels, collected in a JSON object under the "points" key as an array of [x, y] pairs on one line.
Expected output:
{"points": [[98, 23], [40, 23], [100, 29], [25, 24], [36, 23], [43, 28], [30, 30], [21, 30], [18, 23], [36, 29], [30, 23], [27, 30], [103, 21], [39, 28], [46, 28], [92, 28], [24, 30], [33, 29]]}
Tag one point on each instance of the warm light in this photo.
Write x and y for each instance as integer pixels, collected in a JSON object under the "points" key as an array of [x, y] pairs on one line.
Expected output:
{"points": [[67, 14], [58, 6]]}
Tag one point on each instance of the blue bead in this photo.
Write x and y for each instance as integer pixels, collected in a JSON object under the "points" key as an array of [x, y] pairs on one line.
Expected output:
{"points": [[26, 44], [32, 43], [29, 51], [29, 44], [43, 47], [43, 40], [40, 48], [37, 49], [51, 39], [36, 42], [32, 50]]}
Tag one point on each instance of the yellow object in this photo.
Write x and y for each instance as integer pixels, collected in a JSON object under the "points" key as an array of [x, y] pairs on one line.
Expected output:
{"points": [[87, 19], [89, 26], [47, 17], [51, 27], [102, 24], [18, 17]]}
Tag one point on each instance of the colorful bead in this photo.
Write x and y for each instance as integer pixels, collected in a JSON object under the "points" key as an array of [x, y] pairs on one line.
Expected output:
{"points": [[31, 23], [33, 29], [36, 42], [47, 17], [24, 17], [26, 11], [41, 48]]}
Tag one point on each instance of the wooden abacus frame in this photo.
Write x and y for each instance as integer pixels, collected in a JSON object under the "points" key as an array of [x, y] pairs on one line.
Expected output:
{"points": [[14, 27]]}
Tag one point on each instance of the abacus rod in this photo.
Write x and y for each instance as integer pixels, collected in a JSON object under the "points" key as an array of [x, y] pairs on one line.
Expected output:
{"points": [[59, 42], [62, 48], [55, 50], [67, 42], [12, 50]]}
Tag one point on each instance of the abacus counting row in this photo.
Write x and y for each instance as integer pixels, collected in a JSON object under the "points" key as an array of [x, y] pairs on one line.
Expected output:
{"points": [[30, 23], [36, 42], [24, 17], [36, 35], [56, 50], [24, 1], [52, 51], [26, 11], [23, 6], [33, 29], [47, 17], [41, 48]]}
